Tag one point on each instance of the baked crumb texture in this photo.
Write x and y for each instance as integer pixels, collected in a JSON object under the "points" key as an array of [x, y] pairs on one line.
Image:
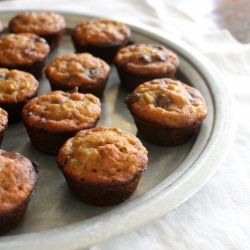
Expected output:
{"points": [[103, 165], [88, 73], [49, 25], [54, 117], [101, 37], [16, 89], [166, 111], [27, 52], [17, 182], [3, 123], [139, 63]]}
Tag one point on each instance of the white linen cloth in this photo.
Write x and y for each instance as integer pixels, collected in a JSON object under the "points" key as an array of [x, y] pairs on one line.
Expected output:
{"points": [[218, 216]]}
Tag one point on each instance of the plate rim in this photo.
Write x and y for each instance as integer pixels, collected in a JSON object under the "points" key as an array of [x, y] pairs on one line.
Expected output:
{"points": [[224, 134]]}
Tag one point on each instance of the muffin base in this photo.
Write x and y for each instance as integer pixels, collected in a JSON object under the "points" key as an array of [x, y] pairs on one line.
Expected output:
{"points": [[165, 136], [35, 68], [11, 219], [47, 142], [2, 134], [14, 109], [107, 53], [96, 90], [54, 39], [102, 195], [130, 80]]}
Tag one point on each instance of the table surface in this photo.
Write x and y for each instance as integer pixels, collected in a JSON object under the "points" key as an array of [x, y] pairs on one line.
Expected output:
{"points": [[229, 14]]}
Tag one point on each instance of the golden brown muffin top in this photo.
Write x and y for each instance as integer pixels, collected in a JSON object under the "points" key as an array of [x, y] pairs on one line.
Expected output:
{"points": [[101, 32], [103, 156], [167, 102], [59, 111], [40, 23], [3, 118], [17, 180], [22, 49], [16, 86], [77, 69], [147, 58]]}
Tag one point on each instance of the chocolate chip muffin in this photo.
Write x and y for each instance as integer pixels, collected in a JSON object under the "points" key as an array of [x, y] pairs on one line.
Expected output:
{"points": [[49, 25], [26, 52], [101, 37], [18, 178], [167, 112], [54, 117], [3, 123], [139, 63], [102, 165], [88, 73], [16, 89]]}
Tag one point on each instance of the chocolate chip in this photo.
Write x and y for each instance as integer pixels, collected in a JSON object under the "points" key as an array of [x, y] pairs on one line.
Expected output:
{"points": [[132, 98], [92, 72], [161, 57], [145, 58], [192, 97], [2, 77], [27, 52], [39, 39], [163, 101]]}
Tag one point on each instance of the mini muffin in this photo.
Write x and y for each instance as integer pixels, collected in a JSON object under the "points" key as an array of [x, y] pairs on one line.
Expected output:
{"points": [[49, 25], [166, 112], [16, 89], [139, 63], [88, 73], [53, 118], [101, 37], [3, 123], [102, 166], [18, 178], [27, 52]]}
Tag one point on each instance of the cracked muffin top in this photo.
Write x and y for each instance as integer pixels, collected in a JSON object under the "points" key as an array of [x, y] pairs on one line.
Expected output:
{"points": [[59, 111], [147, 59], [101, 156], [167, 102], [17, 180], [3, 119], [16, 86], [77, 69], [22, 49], [41, 23], [101, 32]]}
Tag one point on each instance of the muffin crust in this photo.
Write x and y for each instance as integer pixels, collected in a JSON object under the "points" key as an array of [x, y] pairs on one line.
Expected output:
{"points": [[17, 180], [147, 59], [16, 86], [22, 49], [79, 70], [3, 121], [40, 23], [103, 156], [101, 32], [59, 111], [167, 102]]}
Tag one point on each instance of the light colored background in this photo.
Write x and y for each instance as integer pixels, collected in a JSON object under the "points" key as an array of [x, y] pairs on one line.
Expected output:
{"points": [[217, 217]]}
